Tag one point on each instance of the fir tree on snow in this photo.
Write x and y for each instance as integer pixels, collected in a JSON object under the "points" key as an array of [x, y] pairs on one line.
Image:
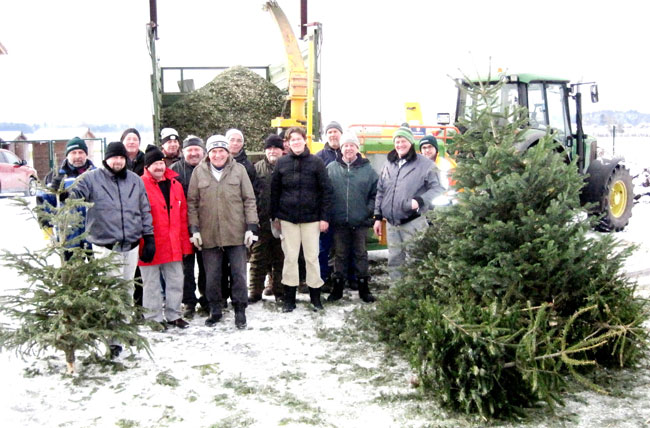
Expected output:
{"points": [[70, 305], [508, 291]]}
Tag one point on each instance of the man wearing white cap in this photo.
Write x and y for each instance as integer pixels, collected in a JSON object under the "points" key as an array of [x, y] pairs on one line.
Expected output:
{"points": [[223, 222], [170, 145], [354, 185]]}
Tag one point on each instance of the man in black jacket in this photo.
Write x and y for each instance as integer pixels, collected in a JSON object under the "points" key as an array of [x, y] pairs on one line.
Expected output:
{"points": [[193, 153]]}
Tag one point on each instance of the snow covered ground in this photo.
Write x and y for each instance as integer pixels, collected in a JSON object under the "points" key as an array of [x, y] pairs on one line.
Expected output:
{"points": [[297, 369]]}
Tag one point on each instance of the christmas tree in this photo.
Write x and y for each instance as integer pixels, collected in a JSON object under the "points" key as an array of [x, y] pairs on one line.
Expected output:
{"points": [[508, 292], [70, 302]]}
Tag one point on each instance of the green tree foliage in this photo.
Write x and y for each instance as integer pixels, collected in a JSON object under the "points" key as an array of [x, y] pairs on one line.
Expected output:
{"points": [[508, 291], [237, 98], [72, 305]]}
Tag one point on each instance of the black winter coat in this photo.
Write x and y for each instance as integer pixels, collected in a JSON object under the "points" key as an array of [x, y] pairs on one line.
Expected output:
{"points": [[300, 189], [184, 171], [250, 169], [136, 165]]}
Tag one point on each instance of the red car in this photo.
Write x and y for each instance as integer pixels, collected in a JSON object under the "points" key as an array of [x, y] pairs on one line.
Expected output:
{"points": [[15, 175]]}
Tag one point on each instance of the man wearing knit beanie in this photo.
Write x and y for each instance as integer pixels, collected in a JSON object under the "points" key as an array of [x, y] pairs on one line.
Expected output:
{"points": [[172, 241], [332, 149], [76, 163], [355, 185], [119, 217], [135, 157], [151, 155], [407, 186], [76, 144], [429, 147], [223, 222]]}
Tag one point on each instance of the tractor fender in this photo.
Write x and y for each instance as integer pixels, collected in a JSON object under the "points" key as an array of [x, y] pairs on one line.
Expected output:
{"points": [[529, 138], [598, 174]]}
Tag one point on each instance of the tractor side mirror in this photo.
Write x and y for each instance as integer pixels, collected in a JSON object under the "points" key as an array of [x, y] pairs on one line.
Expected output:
{"points": [[594, 93], [443, 118]]}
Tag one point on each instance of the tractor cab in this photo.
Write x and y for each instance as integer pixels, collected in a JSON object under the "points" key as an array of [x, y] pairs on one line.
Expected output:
{"points": [[555, 105]]}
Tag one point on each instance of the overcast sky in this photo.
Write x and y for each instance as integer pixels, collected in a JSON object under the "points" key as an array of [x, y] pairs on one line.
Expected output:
{"points": [[74, 61]]}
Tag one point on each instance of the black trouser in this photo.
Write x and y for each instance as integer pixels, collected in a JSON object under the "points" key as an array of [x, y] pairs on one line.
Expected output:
{"points": [[189, 283], [350, 240], [212, 260]]}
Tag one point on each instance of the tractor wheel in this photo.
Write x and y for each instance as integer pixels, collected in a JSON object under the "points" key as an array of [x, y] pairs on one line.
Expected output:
{"points": [[617, 201]]}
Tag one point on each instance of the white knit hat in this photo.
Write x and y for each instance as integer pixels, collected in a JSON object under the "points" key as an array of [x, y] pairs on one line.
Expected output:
{"points": [[217, 142], [349, 137]]}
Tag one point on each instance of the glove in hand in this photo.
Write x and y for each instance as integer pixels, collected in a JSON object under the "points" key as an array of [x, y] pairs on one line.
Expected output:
{"points": [[196, 240], [149, 249], [249, 238]]}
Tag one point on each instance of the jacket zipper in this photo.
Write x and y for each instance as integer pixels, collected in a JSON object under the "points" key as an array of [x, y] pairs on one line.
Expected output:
{"points": [[119, 196]]}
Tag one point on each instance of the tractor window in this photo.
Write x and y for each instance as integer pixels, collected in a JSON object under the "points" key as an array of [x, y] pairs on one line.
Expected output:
{"points": [[509, 97], [556, 110], [536, 106]]}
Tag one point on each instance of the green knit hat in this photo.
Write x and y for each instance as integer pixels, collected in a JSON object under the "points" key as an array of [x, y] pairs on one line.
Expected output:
{"points": [[76, 144], [405, 132]]}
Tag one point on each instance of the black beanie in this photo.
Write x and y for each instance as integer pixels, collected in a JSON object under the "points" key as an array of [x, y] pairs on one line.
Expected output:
{"points": [[116, 148], [273, 140], [153, 154], [129, 131]]}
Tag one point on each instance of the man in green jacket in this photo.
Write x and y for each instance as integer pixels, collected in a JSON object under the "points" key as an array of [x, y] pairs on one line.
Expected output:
{"points": [[355, 186]]}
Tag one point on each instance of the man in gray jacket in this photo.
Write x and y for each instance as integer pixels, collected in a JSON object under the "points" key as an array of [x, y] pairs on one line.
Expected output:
{"points": [[407, 185], [120, 216]]}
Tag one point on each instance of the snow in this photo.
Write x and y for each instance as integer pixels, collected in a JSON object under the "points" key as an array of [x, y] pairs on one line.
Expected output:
{"points": [[297, 369]]}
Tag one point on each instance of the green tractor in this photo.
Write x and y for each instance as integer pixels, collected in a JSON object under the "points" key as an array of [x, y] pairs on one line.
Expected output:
{"points": [[608, 184]]}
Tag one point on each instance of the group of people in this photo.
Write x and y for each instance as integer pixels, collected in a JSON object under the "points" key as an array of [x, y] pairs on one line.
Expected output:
{"points": [[166, 209]]}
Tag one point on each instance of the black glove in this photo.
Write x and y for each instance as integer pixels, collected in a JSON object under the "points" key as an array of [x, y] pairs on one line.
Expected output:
{"points": [[149, 249], [63, 196]]}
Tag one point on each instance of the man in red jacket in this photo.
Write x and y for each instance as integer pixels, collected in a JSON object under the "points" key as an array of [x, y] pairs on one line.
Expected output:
{"points": [[170, 231]]}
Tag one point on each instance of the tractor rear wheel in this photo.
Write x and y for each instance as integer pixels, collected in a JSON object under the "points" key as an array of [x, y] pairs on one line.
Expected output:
{"points": [[617, 201]]}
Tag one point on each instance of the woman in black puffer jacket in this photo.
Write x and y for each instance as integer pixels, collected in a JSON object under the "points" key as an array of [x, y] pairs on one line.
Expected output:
{"points": [[300, 206]]}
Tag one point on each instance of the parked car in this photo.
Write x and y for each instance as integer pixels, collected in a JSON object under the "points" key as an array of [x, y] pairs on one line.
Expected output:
{"points": [[15, 175]]}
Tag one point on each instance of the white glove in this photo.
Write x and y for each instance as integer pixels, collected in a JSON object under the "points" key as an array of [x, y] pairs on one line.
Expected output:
{"points": [[249, 238], [196, 240]]}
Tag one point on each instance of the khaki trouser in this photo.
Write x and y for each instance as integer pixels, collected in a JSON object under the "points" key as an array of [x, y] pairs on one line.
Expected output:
{"points": [[294, 235]]}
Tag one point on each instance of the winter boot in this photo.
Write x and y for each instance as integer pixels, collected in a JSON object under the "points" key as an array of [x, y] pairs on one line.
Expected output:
{"points": [[215, 315], [364, 291], [240, 315], [337, 289], [189, 311], [314, 297], [289, 298], [254, 298]]}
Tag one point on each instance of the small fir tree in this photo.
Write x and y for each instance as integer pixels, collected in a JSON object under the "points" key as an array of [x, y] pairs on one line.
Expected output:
{"points": [[68, 304], [508, 291]]}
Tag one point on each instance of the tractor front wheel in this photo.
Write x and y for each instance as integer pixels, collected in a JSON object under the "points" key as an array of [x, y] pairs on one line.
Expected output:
{"points": [[617, 201]]}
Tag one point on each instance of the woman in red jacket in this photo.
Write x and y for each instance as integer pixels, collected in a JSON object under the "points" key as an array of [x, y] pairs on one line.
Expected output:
{"points": [[171, 235]]}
